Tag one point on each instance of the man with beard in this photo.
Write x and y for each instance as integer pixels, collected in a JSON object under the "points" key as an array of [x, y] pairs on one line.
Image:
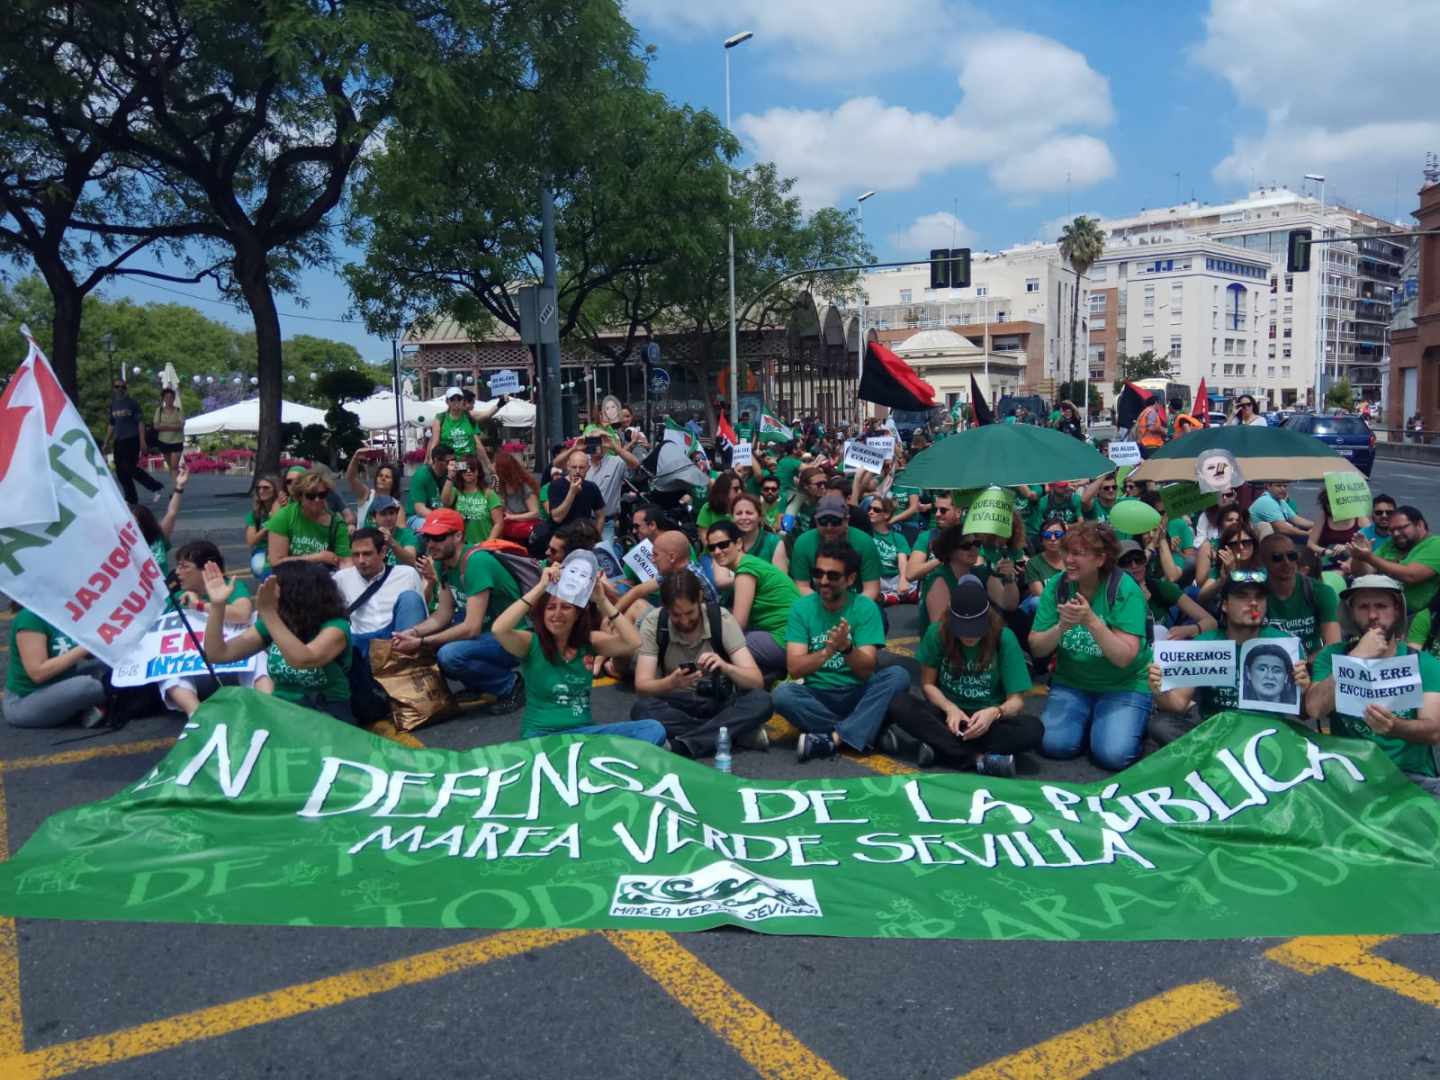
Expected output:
{"points": [[919, 562], [1299, 605], [1378, 531], [1407, 736], [832, 526], [1411, 556], [770, 504]]}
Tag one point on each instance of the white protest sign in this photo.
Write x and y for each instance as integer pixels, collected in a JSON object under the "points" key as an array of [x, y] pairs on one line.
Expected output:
{"points": [[742, 455], [1195, 663], [641, 559], [1393, 683], [167, 652], [503, 381], [884, 443], [1125, 453], [1267, 675], [858, 456]]}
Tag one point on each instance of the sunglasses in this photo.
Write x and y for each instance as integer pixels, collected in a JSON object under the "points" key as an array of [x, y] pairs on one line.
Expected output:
{"points": [[721, 545], [1109, 487], [1282, 556], [1052, 534], [878, 510], [1240, 543], [968, 545], [1377, 512], [828, 520], [1249, 577], [316, 496], [1133, 560], [827, 575]]}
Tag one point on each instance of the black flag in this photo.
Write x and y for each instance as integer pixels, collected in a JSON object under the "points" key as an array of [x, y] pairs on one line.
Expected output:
{"points": [[981, 407]]}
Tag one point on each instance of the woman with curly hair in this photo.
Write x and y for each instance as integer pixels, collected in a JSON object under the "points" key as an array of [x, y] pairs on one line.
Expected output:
{"points": [[519, 510], [303, 629], [468, 492], [387, 482]]}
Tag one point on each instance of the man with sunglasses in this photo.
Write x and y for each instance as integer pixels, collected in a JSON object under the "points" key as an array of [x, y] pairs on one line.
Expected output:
{"points": [[771, 505], [1099, 497], [1381, 508], [1411, 556], [1274, 509], [1298, 605], [1246, 413], [945, 514], [832, 526], [833, 639]]}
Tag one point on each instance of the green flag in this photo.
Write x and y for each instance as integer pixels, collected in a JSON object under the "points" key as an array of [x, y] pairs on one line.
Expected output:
{"points": [[269, 813], [683, 435], [772, 430]]}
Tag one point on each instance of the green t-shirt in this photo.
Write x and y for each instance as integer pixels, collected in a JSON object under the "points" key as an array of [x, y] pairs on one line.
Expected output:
{"points": [[707, 517], [1068, 510], [809, 623], [802, 558], [891, 547], [786, 469], [1037, 569], [545, 498], [477, 571], [251, 523], [1218, 699], [1425, 553], [1164, 594], [424, 488], [458, 434], [403, 537], [773, 513], [557, 696], [306, 536], [17, 680], [765, 545], [974, 688], [1408, 757], [1299, 619], [330, 683], [475, 507], [775, 595], [1080, 663]]}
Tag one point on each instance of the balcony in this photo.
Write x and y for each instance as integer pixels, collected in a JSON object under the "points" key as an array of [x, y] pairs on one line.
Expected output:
{"points": [[1373, 311], [1370, 333]]}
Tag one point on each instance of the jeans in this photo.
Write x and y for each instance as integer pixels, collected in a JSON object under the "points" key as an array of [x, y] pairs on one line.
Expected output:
{"points": [[922, 720], [1115, 722], [856, 712], [58, 703], [693, 722], [128, 470], [409, 611], [651, 731], [480, 664], [769, 654]]}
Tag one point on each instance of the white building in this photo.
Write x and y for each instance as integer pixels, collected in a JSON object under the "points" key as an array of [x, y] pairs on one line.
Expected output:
{"points": [[947, 360]]}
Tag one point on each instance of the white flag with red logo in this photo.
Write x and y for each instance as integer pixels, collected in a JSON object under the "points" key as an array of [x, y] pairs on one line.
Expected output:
{"points": [[70, 550]]}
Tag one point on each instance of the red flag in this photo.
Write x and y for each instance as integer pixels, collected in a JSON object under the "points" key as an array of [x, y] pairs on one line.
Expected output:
{"points": [[726, 432], [1200, 407]]}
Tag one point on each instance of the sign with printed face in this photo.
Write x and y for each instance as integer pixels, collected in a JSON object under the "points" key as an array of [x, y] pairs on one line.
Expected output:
{"points": [[1125, 453], [860, 456], [1267, 675], [1392, 682], [1195, 663]]}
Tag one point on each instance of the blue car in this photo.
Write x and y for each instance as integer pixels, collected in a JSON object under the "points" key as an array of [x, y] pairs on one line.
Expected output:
{"points": [[1348, 436]]}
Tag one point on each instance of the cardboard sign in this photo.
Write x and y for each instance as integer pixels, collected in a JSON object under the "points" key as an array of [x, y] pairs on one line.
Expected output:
{"points": [[1195, 663], [167, 651], [1125, 453], [742, 456], [1267, 675], [1348, 494], [506, 381], [641, 559], [1185, 498], [992, 512], [884, 443], [859, 456], [1392, 682]]}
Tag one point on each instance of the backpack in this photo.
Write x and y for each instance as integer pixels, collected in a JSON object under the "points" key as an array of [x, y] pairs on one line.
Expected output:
{"points": [[717, 642], [525, 570], [1112, 590]]}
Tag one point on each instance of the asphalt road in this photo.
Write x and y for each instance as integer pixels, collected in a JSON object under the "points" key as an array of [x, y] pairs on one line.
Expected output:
{"points": [[182, 1001]]}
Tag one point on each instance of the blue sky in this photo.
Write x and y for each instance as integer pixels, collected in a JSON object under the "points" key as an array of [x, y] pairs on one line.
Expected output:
{"points": [[967, 118]]}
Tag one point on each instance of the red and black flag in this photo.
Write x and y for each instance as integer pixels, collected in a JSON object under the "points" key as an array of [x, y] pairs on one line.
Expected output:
{"points": [[888, 380]]}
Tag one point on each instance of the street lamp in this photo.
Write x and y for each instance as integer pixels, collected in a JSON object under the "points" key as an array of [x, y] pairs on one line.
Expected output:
{"points": [[860, 206], [730, 43], [1320, 300]]}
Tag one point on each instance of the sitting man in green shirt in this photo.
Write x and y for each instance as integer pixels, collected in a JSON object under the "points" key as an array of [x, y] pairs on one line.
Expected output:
{"points": [[1408, 736], [424, 492], [832, 641], [1411, 556], [832, 526], [401, 543], [472, 586], [1299, 605]]}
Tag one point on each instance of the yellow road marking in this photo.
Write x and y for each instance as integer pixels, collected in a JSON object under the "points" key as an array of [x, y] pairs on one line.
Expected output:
{"points": [[750, 1031], [781, 730], [1091, 1047], [276, 1005], [1353, 955], [70, 757], [604, 680], [12, 1029]]}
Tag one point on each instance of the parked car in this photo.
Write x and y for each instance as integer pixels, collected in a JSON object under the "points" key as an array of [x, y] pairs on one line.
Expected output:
{"points": [[1348, 436], [1217, 419]]}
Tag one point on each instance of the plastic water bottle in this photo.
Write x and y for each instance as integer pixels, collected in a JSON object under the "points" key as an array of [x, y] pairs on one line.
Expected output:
{"points": [[722, 750]]}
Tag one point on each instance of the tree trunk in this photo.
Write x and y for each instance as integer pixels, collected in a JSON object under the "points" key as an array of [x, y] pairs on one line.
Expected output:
{"points": [[250, 273], [1075, 330], [65, 329]]}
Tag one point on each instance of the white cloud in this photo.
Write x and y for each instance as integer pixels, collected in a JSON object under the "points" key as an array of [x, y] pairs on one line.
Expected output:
{"points": [[1352, 96], [941, 229], [1074, 160]]}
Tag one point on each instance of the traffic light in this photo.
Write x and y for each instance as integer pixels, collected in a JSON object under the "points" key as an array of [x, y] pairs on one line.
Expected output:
{"points": [[960, 268], [939, 268], [1297, 256]]}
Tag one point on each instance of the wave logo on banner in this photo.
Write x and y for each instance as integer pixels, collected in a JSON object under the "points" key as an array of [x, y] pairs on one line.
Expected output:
{"points": [[722, 888], [70, 550]]}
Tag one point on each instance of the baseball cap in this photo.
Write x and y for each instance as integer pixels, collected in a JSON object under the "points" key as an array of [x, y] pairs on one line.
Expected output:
{"points": [[381, 503], [969, 608], [1128, 547], [442, 523], [833, 505], [454, 392]]}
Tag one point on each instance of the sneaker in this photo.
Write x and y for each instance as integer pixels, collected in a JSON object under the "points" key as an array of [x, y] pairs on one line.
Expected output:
{"points": [[94, 717], [814, 746], [512, 701], [888, 741], [756, 739], [924, 755], [466, 698], [996, 765]]}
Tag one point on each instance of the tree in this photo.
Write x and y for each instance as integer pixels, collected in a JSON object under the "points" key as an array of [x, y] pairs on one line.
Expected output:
{"points": [[1341, 396], [1144, 366], [1074, 391], [345, 433], [1081, 244]]}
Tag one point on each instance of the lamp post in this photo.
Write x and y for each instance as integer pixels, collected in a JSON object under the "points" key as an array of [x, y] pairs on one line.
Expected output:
{"points": [[1320, 300], [730, 43], [860, 206]]}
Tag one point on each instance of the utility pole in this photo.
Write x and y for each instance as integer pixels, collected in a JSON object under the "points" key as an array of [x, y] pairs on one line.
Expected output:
{"points": [[553, 430]]}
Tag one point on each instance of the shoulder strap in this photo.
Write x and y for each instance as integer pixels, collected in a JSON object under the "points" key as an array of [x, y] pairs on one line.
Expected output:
{"points": [[335, 520], [717, 638], [662, 638], [1307, 590], [370, 590], [1112, 586]]}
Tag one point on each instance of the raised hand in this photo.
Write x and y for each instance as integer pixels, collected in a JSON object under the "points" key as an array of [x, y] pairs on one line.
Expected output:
{"points": [[216, 587], [267, 599]]}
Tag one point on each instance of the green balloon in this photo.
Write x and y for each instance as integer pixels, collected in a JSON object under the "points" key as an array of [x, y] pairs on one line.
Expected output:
{"points": [[1134, 517]]}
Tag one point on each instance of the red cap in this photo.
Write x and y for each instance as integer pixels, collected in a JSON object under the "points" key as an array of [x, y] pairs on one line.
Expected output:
{"points": [[442, 523]]}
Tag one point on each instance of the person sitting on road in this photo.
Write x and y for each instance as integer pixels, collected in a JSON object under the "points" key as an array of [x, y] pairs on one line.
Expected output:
{"points": [[762, 596], [157, 533], [1099, 497], [832, 641], [401, 544], [270, 496], [716, 506], [472, 586], [50, 681], [801, 509], [671, 554], [1239, 549], [832, 526], [1378, 531], [574, 498], [387, 482], [1408, 737], [1330, 538], [755, 538], [467, 491], [1162, 595], [566, 608], [1273, 508], [695, 676], [1299, 605], [306, 530], [303, 629], [894, 552], [945, 513], [397, 601], [972, 675], [423, 495], [1092, 617], [1044, 565], [1411, 556], [957, 553]]}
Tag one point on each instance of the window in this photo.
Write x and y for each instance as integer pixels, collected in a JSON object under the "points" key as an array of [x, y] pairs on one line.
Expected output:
{"points": [[1212, 369], [1287, 333], [1213, 348], [1270, 371], [999, 316], [1285, 352], [906, 295], [1177, 301], [982, 290], [1175, 346], [1229, 369], [1032, 284], [1289, 283], [1285, 371], [1229, 346], [1147, 344], [1149, 308]]}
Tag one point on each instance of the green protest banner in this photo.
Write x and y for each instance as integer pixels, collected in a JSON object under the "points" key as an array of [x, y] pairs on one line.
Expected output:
{"points": [[992, 512], [266, 813], [1185, 498], [1348, 495]]}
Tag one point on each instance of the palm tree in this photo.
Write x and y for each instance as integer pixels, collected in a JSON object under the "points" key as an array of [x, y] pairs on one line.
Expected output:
{"points": [[1081, 244]]}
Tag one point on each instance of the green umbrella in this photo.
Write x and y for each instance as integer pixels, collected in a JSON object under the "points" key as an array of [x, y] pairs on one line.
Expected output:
{"points": [[1264, 453], [1003, 455]]}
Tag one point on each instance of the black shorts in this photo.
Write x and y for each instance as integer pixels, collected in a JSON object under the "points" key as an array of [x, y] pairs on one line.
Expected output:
{"points": [[169, 448]]}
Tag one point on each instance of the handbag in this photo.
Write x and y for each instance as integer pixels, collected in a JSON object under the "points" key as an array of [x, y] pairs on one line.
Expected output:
{"points": [[418, 692], [519, 531]]}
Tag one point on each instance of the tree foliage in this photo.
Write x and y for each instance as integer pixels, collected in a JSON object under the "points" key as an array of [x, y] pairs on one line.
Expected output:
{"points": [[1341, 395], [1146, 365]]}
